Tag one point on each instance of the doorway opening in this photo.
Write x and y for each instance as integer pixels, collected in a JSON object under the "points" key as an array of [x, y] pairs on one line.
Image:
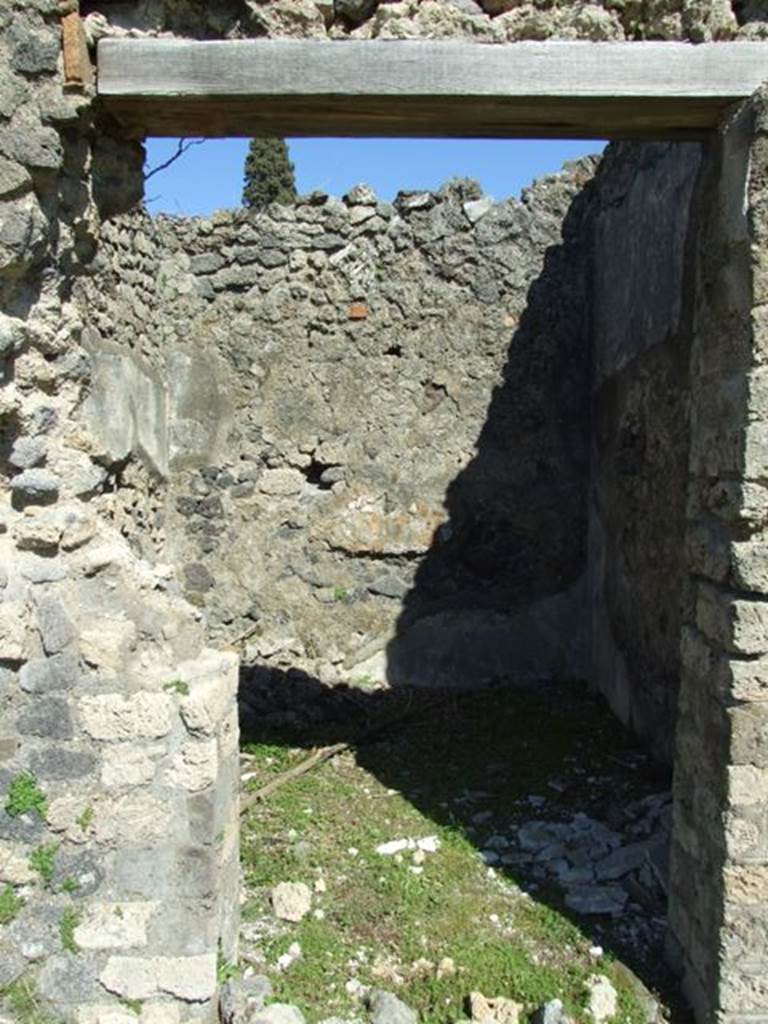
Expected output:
{"points": [[427, 450]]}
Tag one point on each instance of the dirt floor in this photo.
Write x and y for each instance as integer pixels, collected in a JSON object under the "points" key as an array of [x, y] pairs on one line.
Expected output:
{"points": [[509, 841]]}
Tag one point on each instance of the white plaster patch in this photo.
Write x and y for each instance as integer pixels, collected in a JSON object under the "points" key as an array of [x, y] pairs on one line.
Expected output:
{"points": [[98, 1013], [33, 533], [105, 640], [747, 784], [229, 736], [212, 682], [134, 817], [14, 631], [160, 1013], [79, 529], [230, 842], [195, 766], [111, 716], [114, 926], [68, 814], [189, 977], [281, 482], [129, 765], [14, 866]]}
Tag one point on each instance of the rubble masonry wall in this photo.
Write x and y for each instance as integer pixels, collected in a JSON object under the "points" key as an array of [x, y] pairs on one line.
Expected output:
{"points": [[118, 757]]}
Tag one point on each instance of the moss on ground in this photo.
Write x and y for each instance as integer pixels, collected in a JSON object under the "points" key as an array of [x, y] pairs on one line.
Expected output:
{"points": [[384, 919], [21, 999]]}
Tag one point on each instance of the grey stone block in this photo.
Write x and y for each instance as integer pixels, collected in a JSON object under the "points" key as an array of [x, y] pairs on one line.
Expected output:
{"points": [[143, 872], [82, 868], [328, 242], [197, 578], [13, 90], [596, 899], [12, 964], [283, 1013], [46, 675], [8, 747], [39, 569], [552, 1012], [24, 828], [35, 932], [71, 979], [241, 997], [23, 236], [186, 927], [35, 487], [7, 680], [187, 505], [361, 195], [62, 763], [42, 420], [211, 507], [243, 490], [33, 52], [386, 1008], [27, 452], [33, 146], [13, 178], [388, 586], [206, 263], [47, 718], [273, 258], [56, 629]]}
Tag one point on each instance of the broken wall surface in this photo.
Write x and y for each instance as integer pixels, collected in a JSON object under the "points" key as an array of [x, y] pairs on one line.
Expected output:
{"points": [[484, 21], [719, 870], [641, 309], [677, 518], [118, 733], [373, 424]]}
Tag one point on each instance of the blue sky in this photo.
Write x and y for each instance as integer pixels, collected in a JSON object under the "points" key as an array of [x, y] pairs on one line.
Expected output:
{"points": [[209, 177]]}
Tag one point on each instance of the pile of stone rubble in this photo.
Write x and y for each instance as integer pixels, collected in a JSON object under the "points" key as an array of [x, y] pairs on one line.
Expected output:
{"points": [[246, 1002], [617, 872]]}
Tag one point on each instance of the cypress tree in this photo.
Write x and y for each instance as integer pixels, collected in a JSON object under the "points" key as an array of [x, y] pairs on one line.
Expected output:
{"points": [[268, 173]]}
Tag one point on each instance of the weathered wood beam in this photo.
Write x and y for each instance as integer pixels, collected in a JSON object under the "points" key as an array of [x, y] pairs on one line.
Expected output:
{"points": [[78, 71], [424, 88]]}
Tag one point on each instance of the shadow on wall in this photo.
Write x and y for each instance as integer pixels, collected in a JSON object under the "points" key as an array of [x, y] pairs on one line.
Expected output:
{"points": [[501, 594]]}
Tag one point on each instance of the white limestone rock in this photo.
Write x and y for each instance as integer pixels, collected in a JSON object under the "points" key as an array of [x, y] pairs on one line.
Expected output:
{"points": [[291, 901], [603, 1001]]}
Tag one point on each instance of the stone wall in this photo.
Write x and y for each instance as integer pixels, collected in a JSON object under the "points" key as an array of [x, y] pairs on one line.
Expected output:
{"points": [[118, 830], [642, 302], [720, 872], [118, 735], [373, 420], [485, 21], [677, 520]]}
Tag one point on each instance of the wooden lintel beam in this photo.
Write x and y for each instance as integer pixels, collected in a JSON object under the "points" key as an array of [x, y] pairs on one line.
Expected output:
{"points": [[78, 71], [428, 88]]}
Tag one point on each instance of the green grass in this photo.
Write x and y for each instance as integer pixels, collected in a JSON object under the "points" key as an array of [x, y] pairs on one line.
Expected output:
{"points": [[68, 922], [43, 861], [24, 795], [226, 970], [10, 904], [86, 818], [177, 686], [134, 1005], [410, 783], [24, 1004]]}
